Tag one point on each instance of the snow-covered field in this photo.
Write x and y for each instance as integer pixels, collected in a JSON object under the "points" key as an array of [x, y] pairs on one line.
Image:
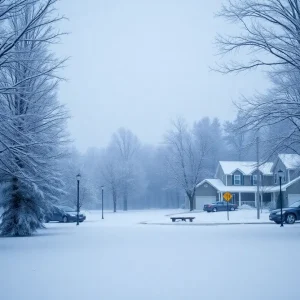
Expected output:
{"points": [[119, 259], [201, 217]]}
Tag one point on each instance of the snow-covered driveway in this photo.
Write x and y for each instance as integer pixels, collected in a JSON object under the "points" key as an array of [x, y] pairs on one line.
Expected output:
{"points": [[118, 259]]}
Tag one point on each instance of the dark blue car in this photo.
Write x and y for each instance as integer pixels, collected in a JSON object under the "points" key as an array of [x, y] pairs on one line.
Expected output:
{"points": [[290, 214], [63, 214], [219, 206]]}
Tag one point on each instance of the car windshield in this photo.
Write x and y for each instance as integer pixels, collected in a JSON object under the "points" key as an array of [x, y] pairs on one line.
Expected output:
{"points": [[295, 204]]}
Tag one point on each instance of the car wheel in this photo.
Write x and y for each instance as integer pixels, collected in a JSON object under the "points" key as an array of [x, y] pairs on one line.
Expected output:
{"points": [[232, 208], [290, 219], [214, 209], [65, 219]]}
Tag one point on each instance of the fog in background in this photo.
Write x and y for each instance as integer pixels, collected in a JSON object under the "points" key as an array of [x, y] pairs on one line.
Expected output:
{"points": [[139, 64]]}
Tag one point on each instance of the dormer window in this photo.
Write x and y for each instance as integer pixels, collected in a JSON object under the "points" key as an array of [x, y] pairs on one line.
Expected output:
{"points": [[237, 179], [254, 179]]}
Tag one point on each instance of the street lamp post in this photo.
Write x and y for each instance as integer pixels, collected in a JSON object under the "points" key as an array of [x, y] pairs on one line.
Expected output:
{"points": [[78, 207], [102, 191], [280, 175]]}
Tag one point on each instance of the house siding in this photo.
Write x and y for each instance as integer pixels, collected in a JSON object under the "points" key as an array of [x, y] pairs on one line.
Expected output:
{"points": [[294, 189], [229, 180], [268, 180], [279, 166], [206, 191], [294, 174], [220, 175], [247, 180]]}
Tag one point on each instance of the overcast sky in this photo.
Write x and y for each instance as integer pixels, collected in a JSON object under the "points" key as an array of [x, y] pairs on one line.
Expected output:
{"points": [[140, 63]]}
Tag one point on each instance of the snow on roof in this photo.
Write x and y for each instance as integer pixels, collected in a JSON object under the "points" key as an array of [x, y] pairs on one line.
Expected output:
{"points": [[291, 161], [284, 186], [246, 167], [221, 187]]}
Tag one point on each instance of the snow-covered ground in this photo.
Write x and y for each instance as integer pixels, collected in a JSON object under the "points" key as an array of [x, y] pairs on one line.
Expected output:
{"points": [[119, 259], [201, 217]]}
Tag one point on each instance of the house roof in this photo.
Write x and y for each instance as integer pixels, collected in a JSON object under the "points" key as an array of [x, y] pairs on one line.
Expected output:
{"points": [[221, 187], [246, 167], [290, 161], [285, 186]]}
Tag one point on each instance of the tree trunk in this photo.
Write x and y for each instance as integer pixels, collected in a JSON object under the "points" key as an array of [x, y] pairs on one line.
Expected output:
{"points": [[191, 200], [178, 199], [115, 201], [125, 202]]}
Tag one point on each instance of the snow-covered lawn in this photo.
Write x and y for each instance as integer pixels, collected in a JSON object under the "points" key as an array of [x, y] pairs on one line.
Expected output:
{"points": [[119, 259], [201, 217]]}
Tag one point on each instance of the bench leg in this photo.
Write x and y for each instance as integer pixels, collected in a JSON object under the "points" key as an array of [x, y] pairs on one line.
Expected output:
{"points": [[191, 220], [173, 220]]}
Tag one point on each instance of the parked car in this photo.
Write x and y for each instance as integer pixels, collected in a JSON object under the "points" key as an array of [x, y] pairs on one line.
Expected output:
{"points": [[219, 206], [63, 214], [290, 214]]}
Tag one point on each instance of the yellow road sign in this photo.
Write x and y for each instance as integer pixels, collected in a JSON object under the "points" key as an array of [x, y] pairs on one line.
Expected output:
{"points": [[227, 196]]}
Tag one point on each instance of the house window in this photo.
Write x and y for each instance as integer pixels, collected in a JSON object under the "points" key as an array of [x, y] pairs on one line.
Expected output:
{"points": [[237, 180], [275, 178], [254, 179]]}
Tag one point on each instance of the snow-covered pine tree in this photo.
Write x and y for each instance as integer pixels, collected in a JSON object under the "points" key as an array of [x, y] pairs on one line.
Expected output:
{"points": [[32, 121]]}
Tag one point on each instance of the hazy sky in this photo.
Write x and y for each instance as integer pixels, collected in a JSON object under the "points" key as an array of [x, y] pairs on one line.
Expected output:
{"points": [[140, 63]]}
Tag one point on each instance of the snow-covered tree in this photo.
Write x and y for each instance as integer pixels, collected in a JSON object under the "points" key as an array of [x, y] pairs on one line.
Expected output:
{"points": [[10, 36], [32, 121]]}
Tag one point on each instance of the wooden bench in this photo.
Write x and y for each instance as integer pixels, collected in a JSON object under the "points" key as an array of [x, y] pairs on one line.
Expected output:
{"points": [[182, 219]]}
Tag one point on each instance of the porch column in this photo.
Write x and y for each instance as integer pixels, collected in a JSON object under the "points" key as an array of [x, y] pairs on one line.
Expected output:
{"points": [[274, 200], [221, 196], [240, 199]]}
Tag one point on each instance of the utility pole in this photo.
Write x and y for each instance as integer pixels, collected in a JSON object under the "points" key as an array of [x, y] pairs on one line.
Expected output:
{"points": [[257, 178], [102, 190]]}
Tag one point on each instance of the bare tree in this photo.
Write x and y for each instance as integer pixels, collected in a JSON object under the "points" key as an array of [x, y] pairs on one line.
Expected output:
{"points": [[185, 156], [127, 146], [208, 132], [112, 176], [277, 113], [269, 34], [241, 141]]}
